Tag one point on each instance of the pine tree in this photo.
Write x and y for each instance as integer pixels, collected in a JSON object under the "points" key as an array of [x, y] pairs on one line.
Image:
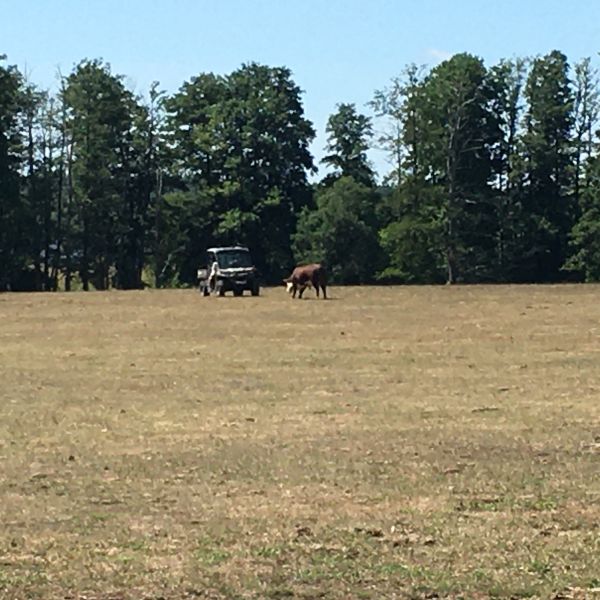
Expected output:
{"points": [[548, 207]]}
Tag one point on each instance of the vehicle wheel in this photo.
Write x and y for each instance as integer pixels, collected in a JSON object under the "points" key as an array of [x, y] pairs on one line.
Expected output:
{"points": [[255, 290]]}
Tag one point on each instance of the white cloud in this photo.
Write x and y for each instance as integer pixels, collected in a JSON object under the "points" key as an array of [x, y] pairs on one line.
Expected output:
{"points": [[437, 55]]}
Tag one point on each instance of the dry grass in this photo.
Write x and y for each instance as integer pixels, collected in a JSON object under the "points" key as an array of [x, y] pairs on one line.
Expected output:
{"points": [[389, 443]]}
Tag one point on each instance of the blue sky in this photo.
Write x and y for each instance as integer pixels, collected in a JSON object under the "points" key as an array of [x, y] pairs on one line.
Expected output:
{"points": [[338, 50]]}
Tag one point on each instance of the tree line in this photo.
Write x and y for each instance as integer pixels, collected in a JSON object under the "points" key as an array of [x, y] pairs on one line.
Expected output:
{"points": [[495, 177]]}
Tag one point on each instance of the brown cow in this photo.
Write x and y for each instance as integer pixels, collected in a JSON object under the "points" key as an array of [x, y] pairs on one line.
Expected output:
{"points": [[305, 276]]}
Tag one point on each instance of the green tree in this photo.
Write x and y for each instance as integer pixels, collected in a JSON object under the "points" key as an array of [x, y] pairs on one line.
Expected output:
{"points": [[585, 236], [241, 144], [38, 183], [466, 135], [341, 232], [141, 191], [549, 210], [450, 138], [403, 133], [412, 233], [586, 108], [347, 144], [101, 123], [186, 216], [508, 81], [412, 237], [13, 211]]}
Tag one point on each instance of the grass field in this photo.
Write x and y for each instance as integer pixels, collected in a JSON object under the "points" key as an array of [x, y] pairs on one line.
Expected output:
{"points": [[399, 442]]}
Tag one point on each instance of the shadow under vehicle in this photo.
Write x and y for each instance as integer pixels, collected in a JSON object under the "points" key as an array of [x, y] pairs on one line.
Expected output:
{"points": [[228, 269]]}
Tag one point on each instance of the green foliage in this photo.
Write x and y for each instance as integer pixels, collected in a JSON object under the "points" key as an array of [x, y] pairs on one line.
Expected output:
{"points": [[585, 236], [347, 144], [107, 204], [400, 106], [459, 99], [412, 240], [494, 177], [445, 171], [12, 208], [243, 138], [341, 232], [547, 148]]}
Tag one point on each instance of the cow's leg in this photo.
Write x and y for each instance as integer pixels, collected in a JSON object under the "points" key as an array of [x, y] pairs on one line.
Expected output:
{"points": [[324, 292], [302, 288], [294, 290]]}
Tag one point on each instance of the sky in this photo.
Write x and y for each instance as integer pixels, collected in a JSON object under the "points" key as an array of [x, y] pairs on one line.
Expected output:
{"points": [[338, 50]]}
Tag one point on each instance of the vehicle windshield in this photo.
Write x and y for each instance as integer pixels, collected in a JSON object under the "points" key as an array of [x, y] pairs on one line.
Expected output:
{"points": [[232, 259]]}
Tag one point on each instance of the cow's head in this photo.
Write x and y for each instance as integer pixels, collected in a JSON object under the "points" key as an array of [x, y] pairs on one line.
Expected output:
{"points": [[289, 286]]}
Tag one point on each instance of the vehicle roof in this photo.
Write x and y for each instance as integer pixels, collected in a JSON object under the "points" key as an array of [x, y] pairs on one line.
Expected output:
{"points": [[222, 248]]}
